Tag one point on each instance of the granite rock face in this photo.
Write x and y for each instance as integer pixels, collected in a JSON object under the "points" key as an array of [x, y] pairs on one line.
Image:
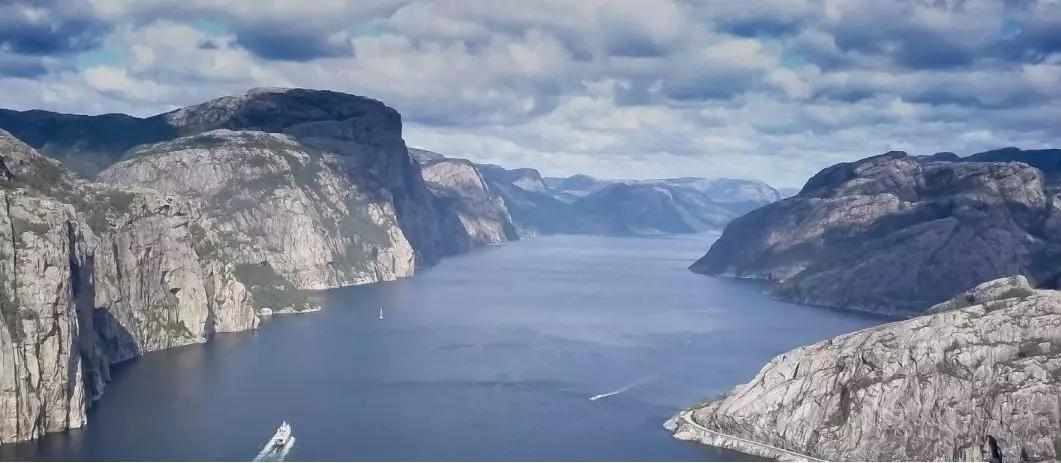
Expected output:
{"points": [[895, 233], [42, 254], [979, 379], [534, 209], [94, 274], [276, 207], [362, 135], [478, 215]]}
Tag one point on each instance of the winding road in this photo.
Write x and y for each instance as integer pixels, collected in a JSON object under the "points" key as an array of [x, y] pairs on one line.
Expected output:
{"points": [[686, 417]]}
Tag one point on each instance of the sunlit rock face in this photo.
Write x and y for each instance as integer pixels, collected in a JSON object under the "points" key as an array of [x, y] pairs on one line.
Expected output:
{"points": [[979, 379], [94, 274], [478, 214], [896, 233], [277, 206]]}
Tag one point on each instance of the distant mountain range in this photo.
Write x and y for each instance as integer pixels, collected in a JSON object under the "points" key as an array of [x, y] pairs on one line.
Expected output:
{"points": [[581, 204]]}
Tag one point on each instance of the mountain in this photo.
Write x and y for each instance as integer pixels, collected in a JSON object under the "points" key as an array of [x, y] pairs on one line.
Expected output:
{"points": [[896, 233], [364, 134], [1047, 160], [642, 207], [581, 204], [534, 208], [94, 274], [85, 144], [280, 207], [479, 213], [975, 380]]}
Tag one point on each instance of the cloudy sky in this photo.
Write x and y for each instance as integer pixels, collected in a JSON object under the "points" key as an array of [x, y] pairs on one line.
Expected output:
{"points": [[751, 88]]}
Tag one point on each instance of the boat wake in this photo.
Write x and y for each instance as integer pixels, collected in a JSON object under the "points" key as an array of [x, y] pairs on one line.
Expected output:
{"points": [[623, 389], [278, 446], [272, 453]]}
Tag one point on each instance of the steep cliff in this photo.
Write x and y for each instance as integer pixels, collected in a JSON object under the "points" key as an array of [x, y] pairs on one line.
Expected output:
{"points": [[365, 136], [979, 380], [895, 233], [533, 207], [477, 214], [279, 209], [91, 275]]}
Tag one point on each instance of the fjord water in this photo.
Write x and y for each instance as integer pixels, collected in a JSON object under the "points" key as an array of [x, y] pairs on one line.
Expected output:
{"points": [[492, 355]]}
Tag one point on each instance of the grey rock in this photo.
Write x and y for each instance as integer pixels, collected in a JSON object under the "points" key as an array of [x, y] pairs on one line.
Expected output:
{"points": [[894, 233], [273, 202], [42, 250], [979, 379], [94, 274], [1046, 160], [478, 214], [365, 134]]}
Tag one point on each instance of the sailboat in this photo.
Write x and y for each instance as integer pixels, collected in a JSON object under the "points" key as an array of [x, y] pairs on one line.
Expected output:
{"points": [[381, 312]]}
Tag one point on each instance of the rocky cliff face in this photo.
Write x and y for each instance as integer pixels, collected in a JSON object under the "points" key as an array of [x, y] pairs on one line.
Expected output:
{"points": [[363, 134], [478, 215], [93, 274], [42, 253], [534, 209], [894, 233], [279, 209], [979, 379]]}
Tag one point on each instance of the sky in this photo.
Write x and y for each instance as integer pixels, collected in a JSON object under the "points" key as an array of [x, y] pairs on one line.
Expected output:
{"points": [[767, 89]]}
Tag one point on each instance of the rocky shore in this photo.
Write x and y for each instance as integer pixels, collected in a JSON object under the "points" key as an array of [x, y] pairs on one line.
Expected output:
{"points": [[977, 379]]}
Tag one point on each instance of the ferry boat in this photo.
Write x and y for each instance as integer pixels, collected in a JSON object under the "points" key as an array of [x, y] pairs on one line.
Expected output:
{"points": [[282, 436]]}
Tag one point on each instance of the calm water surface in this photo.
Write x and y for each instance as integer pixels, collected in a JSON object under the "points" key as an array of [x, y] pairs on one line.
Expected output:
{"points": [[492, 355]]}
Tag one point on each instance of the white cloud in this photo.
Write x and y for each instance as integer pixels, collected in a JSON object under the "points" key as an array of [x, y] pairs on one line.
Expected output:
{"points": [[772, 89]]}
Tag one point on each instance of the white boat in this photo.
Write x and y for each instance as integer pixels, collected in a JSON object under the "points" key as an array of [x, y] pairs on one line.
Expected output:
{"points": [[282, 436], [381, 312]]}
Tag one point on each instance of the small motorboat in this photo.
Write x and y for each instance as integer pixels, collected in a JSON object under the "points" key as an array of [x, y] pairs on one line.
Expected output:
{"points": [[381, 312], [282, 436]]}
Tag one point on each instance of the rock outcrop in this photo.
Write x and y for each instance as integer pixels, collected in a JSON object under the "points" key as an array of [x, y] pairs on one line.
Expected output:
{"points": [[364, 135], [1046, 160], [979, 379], [477, 215], [534, 209], [276, 207], [93, 274], [895, 233]]}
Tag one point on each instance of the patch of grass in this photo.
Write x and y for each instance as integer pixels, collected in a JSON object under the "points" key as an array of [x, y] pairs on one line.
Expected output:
{"points": [[159, 324], [268, 288]]}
